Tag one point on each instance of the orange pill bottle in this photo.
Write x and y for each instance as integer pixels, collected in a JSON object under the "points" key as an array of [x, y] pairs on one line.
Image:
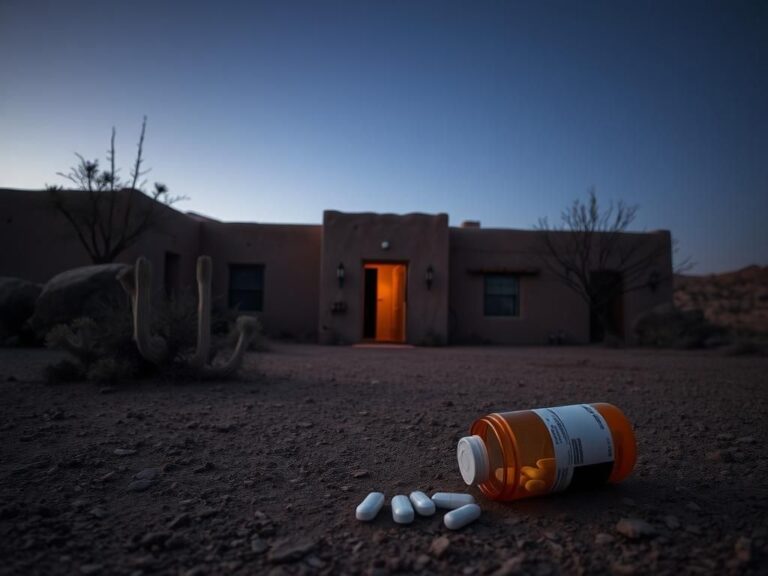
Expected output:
{"points": [[514, 455]]}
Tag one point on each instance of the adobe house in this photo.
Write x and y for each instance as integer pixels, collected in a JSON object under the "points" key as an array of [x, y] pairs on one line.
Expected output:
{"points": [[362, 277]]}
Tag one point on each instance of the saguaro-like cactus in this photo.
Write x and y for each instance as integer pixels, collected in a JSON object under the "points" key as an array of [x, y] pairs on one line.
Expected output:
{"points": [[155, 349]]}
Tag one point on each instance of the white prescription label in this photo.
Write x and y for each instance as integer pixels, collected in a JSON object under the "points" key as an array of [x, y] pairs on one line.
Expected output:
{"points": [[581, 437]]}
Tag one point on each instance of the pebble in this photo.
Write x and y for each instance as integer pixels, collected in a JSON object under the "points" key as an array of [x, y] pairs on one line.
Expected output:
{"points": [[124, 452], [179, 521], [289, 550], [140, 485], [147, 474], [439, 546], [360, 474], [88, 569], [634, 528], [602, 538]]}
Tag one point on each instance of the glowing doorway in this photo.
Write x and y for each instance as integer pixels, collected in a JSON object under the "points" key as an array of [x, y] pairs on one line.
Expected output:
{"points": [[384, 302]]}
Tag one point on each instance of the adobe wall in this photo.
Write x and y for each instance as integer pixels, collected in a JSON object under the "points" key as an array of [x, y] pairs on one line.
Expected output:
{"points": [[39, 243], [290, 255], [419, 240], [546, 306]]}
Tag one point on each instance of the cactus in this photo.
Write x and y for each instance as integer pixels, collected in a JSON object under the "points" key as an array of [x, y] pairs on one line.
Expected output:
{"points": [[155, 349]]}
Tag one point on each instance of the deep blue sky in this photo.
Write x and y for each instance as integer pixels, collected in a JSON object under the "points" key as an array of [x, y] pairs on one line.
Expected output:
{"points": [[496, 111]]}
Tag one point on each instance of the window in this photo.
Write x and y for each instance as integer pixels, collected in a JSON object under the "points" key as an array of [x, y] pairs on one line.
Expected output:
{"points": [[246, 287], [502, 295]]}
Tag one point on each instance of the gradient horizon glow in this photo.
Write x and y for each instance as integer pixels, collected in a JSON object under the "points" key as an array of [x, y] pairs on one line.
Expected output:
{"points": [[501, 112]]}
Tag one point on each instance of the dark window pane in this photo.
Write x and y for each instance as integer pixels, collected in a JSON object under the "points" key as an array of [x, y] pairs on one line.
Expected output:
{"points": [[502, 295], [246, 287]]}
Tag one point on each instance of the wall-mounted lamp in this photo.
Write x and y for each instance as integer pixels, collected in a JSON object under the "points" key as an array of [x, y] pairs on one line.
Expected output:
{"points": [[340, 274], [430, 276]]}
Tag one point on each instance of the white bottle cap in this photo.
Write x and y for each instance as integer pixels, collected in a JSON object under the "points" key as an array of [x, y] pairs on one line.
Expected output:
{"points": [[473, 460]]}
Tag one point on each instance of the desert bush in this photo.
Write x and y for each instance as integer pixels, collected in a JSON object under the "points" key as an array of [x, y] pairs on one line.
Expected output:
{"points": [[103, 350], [669, 327]]}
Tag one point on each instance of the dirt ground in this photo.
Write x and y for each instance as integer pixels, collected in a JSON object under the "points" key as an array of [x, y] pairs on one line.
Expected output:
{"points": [[263, 475]]}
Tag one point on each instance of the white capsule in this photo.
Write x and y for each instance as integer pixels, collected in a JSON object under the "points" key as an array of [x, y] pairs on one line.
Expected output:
{"points": [[422, 503], [460, 517], [402, 511], [369, 508], [452, 500]]}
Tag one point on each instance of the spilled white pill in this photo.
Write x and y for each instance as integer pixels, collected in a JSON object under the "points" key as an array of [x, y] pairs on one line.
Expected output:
{"points": [[422, 503], [402, 511], [460, 517], [451, 500], [369, 508]]}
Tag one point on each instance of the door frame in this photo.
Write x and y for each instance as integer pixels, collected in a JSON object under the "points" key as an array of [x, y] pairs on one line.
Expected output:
{"points": [[379, 262]]}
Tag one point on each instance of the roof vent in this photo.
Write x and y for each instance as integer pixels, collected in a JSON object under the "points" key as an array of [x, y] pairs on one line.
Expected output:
{"points": [[470, 224]]}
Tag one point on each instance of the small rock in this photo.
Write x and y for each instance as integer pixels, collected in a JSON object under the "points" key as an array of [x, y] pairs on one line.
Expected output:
{"points": [[421, 561], [620, 569], [290, 550], [147, 474], [511, 566], [179, 521], [602, 539], [258, 546], [97, 512], [175, 542], [672, 522], [107, 477], [197, 571], [360, 474], [124, 452], [634, 528], [154, 539], [305, 424], [204, 467], [88, 569], [439, 546], [743, 549], [140, 485]]}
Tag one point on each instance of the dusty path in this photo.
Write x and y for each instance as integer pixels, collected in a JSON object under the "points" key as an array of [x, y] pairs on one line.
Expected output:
{"points": [[263, 475]]}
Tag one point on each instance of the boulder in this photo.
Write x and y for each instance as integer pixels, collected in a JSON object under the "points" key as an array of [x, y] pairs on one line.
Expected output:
{"points": [[17, 303], [91, 291]]}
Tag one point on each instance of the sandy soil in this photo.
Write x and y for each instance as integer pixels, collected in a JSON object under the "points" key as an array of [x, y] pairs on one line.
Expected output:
{"points": [[263, 475]]}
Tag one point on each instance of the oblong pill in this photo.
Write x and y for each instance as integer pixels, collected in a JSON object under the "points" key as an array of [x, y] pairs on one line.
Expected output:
{"points": [[452, 500], [460, 517], [535, 486], [533, 472], [402, 511], [422, 503], [546, 464], [369, 508]]}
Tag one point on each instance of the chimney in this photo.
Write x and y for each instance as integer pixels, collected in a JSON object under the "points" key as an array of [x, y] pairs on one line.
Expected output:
{"points": [[470, 224]]}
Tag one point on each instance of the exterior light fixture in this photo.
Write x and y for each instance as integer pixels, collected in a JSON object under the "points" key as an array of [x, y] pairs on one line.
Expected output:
{"points": [[340, 274], [430, 276], [385, 245]]}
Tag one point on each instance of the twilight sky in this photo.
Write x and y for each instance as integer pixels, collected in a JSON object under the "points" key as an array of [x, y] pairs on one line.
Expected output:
{"points": [[497, 111]]}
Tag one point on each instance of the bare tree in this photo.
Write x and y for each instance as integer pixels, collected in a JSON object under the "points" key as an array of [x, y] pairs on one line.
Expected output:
{"points": [[107, 214], [591, 252]]}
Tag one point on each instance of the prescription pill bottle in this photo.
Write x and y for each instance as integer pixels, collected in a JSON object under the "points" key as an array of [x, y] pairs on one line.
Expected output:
{"points": [[514, 455]]}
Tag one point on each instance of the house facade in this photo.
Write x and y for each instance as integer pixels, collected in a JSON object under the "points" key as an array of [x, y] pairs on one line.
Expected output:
{"points": [[361, 277]]}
